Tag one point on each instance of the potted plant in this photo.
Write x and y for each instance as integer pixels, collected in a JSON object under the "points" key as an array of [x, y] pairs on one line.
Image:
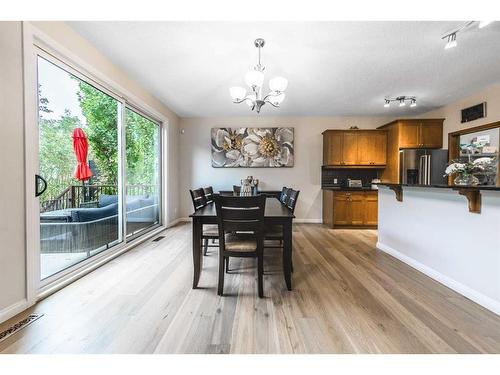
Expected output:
{"points": [[465, 170]]}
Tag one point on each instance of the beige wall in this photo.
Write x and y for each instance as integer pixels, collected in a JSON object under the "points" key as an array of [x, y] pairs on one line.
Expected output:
{"points": [[452, 114], [12, 248], [196, 170], [12, 188]]}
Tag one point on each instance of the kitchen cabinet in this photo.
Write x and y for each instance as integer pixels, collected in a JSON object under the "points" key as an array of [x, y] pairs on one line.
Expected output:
{"points": [[350, 208], [332, 148], [421, 134], [404, 134], [355, 148]]}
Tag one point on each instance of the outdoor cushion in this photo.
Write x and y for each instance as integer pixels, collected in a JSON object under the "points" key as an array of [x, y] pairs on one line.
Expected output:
{"points": [[82, 215], [106, 200]]}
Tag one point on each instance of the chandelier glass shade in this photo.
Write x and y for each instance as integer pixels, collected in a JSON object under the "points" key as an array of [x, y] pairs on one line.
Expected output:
{"points": [[255, 81]]}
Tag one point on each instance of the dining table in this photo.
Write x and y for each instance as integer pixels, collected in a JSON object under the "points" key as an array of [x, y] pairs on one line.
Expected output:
{"points": [[275, 213]]}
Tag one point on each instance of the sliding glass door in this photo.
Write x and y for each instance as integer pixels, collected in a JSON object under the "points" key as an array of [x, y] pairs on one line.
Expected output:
{"points": [[99, 181], [142, 172]]}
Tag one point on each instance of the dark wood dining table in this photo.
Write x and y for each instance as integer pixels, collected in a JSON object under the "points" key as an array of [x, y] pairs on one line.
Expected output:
{"points": [[276, 213]]}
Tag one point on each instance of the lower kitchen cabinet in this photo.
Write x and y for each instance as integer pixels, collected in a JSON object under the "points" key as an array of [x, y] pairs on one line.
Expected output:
{"points": [[350, 209]]}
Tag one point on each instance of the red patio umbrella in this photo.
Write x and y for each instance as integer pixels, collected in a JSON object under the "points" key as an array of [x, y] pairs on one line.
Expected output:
{"points": [[81, 147]]}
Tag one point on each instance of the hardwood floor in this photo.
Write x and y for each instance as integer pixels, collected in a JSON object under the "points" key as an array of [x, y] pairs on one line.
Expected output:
{"points": [[348, 297]]}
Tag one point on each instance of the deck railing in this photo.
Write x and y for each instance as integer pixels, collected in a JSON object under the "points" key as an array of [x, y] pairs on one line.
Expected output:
{"points": [[75, 196]]}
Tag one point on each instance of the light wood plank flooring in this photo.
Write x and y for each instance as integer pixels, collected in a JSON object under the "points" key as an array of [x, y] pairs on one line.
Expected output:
{"points": [[348, 297]]}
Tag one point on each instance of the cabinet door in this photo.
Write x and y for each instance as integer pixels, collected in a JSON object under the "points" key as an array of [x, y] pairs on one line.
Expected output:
{"points": [[350, 148], [332, 148], [431, 134], [341, 209], [357, 209], [379, 148], [371, 208], [365, 146], [409, 133]]}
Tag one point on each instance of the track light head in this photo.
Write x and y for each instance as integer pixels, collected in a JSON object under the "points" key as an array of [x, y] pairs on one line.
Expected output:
{"points": [[452, 41], [413, 103], [387, 103]]}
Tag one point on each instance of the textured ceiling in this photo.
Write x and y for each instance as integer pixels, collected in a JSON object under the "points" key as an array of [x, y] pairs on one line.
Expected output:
{"points": [[333, 68]]}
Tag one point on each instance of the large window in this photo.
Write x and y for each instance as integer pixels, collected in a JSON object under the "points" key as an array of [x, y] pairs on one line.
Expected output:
{"points": [[90, 144], [142, 172]]}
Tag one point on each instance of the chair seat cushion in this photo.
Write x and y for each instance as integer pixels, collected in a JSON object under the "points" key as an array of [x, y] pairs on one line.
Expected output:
{"points": [[211, 230], [240, 242], [274, 231]]}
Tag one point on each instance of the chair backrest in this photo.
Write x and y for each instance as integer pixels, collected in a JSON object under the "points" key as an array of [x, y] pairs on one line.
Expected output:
{"points": [[293, 196], [198, 197], [209, 194], [236, 189], [240, 214], [285, 192]]}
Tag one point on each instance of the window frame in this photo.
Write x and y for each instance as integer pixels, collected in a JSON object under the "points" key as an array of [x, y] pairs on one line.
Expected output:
{"points": [[36, 43]]}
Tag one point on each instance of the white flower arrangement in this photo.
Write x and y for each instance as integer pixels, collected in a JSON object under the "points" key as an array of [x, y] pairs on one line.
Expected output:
{"points": [[469, 167]]}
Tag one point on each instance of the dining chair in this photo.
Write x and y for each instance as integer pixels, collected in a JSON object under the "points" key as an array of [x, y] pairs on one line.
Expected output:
{"points": [[209, 193], [275, 232], [234, 216], [236, 189], [210, 232], [284, 194]]}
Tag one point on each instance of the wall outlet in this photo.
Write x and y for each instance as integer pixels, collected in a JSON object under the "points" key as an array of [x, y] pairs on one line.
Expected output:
{"points": [[335, 181]]}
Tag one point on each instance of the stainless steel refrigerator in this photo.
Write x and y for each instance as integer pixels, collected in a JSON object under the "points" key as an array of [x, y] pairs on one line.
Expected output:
{"points": [[422, 166]]}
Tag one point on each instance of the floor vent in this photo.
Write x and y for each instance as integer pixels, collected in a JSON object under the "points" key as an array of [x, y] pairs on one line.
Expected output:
{"points": [[19, 325], [159, 238]]}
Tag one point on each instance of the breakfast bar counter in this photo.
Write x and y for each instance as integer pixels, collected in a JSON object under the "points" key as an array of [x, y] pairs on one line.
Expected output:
{"points": [[431, 229]]}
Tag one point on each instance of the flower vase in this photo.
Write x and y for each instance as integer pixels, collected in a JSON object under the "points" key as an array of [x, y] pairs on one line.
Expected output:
{"points": [[466, 180]]}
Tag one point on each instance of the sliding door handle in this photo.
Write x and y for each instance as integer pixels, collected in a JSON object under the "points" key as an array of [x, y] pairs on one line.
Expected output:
{"points": [[39, 179]]}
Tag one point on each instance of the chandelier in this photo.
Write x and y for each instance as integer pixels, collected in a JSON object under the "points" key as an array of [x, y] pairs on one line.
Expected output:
{"points": [[254, 79]]}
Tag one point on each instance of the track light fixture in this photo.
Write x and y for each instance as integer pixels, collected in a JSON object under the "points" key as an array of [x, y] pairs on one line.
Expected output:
{"points": [[451, 36], [401, 100]]}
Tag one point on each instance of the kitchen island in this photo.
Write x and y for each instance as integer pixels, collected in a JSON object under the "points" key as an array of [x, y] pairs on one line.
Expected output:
{"points": [[450, 233]]}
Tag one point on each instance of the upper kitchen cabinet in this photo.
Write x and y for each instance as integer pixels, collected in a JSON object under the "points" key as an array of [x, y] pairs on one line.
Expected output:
{"points": [[403, 134], [355, 148], [420, 133]]}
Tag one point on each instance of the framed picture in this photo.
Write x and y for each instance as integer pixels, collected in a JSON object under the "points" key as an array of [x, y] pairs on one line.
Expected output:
{"points": [[252, 147]]}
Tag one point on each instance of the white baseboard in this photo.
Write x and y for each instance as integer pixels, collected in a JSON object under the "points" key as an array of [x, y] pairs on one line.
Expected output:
{"points": [[13, 310], [177, 221], [308, 221], [458, 287]]}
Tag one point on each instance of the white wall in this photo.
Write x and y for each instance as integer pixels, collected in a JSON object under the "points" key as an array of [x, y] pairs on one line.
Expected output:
{"points": [[195, 158], [433, 231], [452, 114], [12, 200], [12, 245]]}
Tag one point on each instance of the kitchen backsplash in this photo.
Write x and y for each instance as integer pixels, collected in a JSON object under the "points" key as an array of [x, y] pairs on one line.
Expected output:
{"points": [[329, 175]]}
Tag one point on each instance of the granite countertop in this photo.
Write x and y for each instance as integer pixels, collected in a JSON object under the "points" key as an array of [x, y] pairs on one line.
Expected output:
{"points": [[444, 186]]}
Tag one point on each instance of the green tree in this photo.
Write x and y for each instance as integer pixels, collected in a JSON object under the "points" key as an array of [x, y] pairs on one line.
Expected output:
{"points": [[57, 159], [101, 112]]}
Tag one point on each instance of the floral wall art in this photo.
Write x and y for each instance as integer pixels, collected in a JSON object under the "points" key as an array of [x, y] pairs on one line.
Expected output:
{"points": [[252, 147]]}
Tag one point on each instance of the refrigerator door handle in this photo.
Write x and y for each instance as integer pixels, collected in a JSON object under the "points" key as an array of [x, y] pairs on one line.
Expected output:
{"points": [[428, 167], [421, 172]]}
